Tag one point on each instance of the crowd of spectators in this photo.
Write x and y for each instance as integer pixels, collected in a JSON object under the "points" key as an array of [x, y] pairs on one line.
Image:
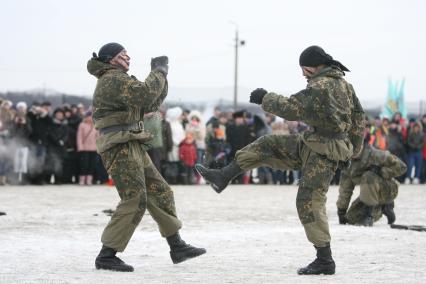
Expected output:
{"points": [[405, 139], [39, 145], [185, 139]]}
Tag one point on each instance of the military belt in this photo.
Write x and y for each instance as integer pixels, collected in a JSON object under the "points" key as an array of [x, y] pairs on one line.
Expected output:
{"points": [[331, 134], [136, 127]]}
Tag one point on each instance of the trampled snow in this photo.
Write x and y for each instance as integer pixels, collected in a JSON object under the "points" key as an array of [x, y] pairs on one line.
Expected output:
{"points": [[252, 234]]}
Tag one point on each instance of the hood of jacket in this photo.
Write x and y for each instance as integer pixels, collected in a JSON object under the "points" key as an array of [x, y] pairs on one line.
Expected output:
{"points": [[98, 68], [330, 71], [195, 113], [173, 114]]}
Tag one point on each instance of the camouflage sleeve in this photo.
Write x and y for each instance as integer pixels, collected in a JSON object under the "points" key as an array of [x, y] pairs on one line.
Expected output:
{"points": [[290, 108], [346, 189], [146, 94], [356, 133], [390, 165], [157, 103]]}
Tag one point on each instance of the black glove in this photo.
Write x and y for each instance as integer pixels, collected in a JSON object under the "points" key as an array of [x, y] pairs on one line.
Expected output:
{"points": [[161, 64], [375, 169], [257, 95], [342, 213]]}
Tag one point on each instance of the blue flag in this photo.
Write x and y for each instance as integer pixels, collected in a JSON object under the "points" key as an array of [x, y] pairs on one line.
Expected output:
{"points": [[395, 100]]}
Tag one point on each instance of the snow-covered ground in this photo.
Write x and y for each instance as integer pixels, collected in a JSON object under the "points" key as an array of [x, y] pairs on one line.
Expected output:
{"points": [[252, 235]]}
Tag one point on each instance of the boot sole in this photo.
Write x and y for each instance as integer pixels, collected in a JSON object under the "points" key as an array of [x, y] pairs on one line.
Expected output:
{"points": [[214, 186], [105, 267], [176, 258], [329, 272]]}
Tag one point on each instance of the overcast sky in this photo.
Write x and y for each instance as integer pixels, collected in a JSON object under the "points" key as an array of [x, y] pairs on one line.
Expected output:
{"points": [[47, 43]]}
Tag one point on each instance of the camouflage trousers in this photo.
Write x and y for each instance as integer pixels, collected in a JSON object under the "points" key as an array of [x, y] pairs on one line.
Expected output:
{"points": [[140, 187], [374, 191], [288, 152]]}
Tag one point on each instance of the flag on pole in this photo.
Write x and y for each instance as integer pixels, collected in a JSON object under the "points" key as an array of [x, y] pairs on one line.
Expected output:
{"points": [[395, 99]]}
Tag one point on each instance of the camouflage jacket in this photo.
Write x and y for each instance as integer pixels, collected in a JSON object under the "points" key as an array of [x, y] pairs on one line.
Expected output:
{"points": [[390, 165], [123, 99], [328, 104]]}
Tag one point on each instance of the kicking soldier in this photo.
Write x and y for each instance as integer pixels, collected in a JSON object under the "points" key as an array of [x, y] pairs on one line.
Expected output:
{"points": [[329, 105]]}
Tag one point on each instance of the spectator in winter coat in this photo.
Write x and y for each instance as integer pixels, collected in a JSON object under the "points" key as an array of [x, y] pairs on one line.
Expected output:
{"points": [[197, 126], [21, 128], [86, 147], [380, 135], [219, 149], [188, 156], [20, 133], [173, 171], [396, 141], [401, 123], [153, 123], [56, 150], [238, 133], [219, 120], [71, 160], [396, 144], [6, 123], [40, 123], [238, 136], [415, 142], [7, 115], [178, 133]]}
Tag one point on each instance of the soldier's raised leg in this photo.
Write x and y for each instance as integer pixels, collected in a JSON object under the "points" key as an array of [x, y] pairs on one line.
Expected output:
{"points": [[274, 151], [317, 172]]}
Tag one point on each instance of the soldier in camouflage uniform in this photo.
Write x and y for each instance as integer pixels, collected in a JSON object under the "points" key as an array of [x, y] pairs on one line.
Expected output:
{"points": [[329, 105], [119, 104], [375, 171]]}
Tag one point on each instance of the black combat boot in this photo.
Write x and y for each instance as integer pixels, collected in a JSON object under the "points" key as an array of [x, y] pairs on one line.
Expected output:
{"points": [[368, 219], [181, 251], [107, 260], [387, 210], [323, 264], [219, 178]]}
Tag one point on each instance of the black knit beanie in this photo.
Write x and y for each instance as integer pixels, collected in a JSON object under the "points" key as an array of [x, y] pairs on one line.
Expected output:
{"points": [[314, 56], [109, 51]]}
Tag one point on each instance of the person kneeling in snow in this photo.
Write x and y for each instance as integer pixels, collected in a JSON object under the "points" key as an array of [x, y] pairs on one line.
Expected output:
{"points": [[375, 171]]}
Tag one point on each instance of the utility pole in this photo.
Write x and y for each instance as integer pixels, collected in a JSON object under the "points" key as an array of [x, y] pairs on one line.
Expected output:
{"points": [[237, 44]]}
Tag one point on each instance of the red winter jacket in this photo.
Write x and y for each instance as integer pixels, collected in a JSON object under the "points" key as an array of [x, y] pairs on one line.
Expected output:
{"points": [[188, 153]]}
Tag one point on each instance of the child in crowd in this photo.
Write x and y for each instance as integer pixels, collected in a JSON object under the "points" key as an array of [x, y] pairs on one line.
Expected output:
{"points": [[219, 149], [188, 157]]}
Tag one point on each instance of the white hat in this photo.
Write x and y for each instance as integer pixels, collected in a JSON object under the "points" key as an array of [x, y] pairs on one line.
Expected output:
{"points": [[21, 105]]}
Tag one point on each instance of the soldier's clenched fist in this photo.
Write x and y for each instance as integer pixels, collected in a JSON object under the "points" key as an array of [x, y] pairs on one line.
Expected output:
{"points": [[160, 63], [257, 95]]}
